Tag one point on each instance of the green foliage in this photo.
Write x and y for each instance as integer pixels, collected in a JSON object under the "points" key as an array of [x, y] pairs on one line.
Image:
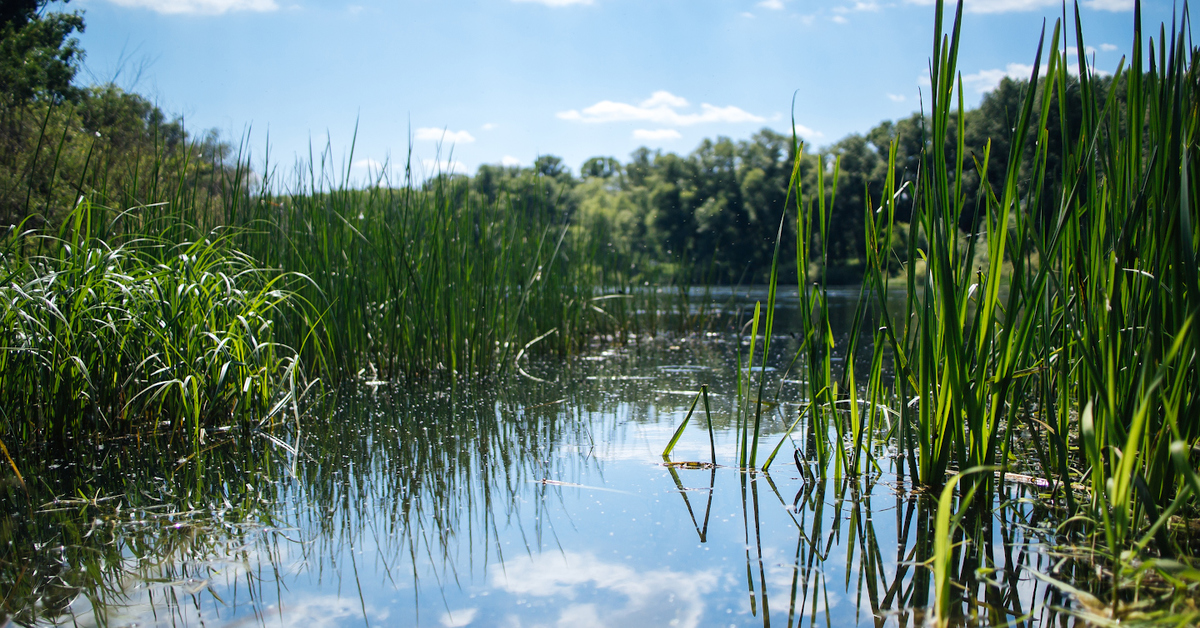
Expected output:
{"points": [[38, 56], [1077, 331], [412, 280], [130, 334], [713, 213], [115, 147]]}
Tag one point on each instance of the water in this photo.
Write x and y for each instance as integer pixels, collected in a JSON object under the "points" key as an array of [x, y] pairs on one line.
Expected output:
{"points": [[525, 504]]}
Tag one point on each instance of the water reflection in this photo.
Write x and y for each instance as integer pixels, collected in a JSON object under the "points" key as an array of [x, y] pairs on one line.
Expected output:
{"points": [[580, 589], [525, 504]]}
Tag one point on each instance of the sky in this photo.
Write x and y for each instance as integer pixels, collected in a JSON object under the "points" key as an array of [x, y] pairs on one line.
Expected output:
{"points": [[467, 82]]}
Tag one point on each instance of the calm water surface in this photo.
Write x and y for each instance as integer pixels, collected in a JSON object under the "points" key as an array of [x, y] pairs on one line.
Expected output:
{"points": [[524, 504]]}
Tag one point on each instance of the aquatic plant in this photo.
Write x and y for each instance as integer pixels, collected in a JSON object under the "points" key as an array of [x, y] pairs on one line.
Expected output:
{"points": [[1064, 316], [137, 335], [1077, 331]]}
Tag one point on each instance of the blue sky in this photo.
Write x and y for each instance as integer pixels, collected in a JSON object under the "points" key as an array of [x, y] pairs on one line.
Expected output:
{"points": [[503, 81]]}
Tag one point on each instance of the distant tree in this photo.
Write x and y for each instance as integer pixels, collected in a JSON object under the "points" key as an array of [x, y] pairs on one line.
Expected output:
{"points": [[551, 166], [600, 167]]}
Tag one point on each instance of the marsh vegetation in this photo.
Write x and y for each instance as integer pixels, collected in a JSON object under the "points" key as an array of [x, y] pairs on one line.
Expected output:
{"points": [[221, 381]]}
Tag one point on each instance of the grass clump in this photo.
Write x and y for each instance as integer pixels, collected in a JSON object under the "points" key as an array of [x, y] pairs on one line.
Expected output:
{"points": [[423, 277], [121, 335], [1078, 335]]}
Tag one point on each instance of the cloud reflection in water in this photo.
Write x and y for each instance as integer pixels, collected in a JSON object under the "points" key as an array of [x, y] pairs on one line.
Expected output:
{"points": [[600, 593]]}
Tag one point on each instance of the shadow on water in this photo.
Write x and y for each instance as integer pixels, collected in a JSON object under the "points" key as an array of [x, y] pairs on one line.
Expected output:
{"points": [[521, 504]]}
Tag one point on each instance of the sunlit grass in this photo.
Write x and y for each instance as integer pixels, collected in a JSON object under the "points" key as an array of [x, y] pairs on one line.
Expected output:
{"points": [[138, 335], [1078, 333]]}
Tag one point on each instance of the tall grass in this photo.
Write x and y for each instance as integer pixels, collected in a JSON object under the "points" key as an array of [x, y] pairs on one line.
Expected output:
{"points": [[212, 294], [419, 277], [134, 335], [1076, 330]]}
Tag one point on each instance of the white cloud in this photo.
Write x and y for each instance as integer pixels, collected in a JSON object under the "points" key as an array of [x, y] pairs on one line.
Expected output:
{"points": [[557, 3], [661, 108], [1109, 5], [459, 618], [747, 14], [987, 80], [1107, 47], [808, 133], [509, 161], [776, 5], [429, 134], [656, 135], [857, 6], [203, 7], [663, 98], [840, 19], [443, 166], [651, 598], [896, 97], [488, 126]]}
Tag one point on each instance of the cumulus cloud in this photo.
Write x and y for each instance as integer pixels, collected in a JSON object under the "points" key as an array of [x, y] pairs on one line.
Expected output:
{"points": [[557, 3], [896, 97], [429, 134], [656, 135], [987, 80], [1107, 47], [202, 7], [663, 98], [509, 161], [661, 108], [651, 598], [776, 5], [488, 126], [808, 133]]}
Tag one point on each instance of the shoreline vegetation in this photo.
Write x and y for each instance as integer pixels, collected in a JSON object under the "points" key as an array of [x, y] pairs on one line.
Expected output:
{"points": [[157, 285]]}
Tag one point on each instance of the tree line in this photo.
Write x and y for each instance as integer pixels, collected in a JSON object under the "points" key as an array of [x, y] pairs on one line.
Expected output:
{"points": [[711, 215]]}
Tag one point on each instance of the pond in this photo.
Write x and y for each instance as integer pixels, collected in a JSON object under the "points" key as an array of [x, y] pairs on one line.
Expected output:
{"points": [[530, 503]]}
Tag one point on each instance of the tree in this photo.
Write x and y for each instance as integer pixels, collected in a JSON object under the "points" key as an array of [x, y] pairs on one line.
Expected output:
{"points": [[551, 166], [600, 167], [38, 55]]}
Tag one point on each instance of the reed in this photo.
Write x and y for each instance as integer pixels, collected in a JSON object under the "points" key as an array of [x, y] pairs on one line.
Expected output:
{"points": [[1076, 331], [217, 293], [430, 277], [137, 335]]}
